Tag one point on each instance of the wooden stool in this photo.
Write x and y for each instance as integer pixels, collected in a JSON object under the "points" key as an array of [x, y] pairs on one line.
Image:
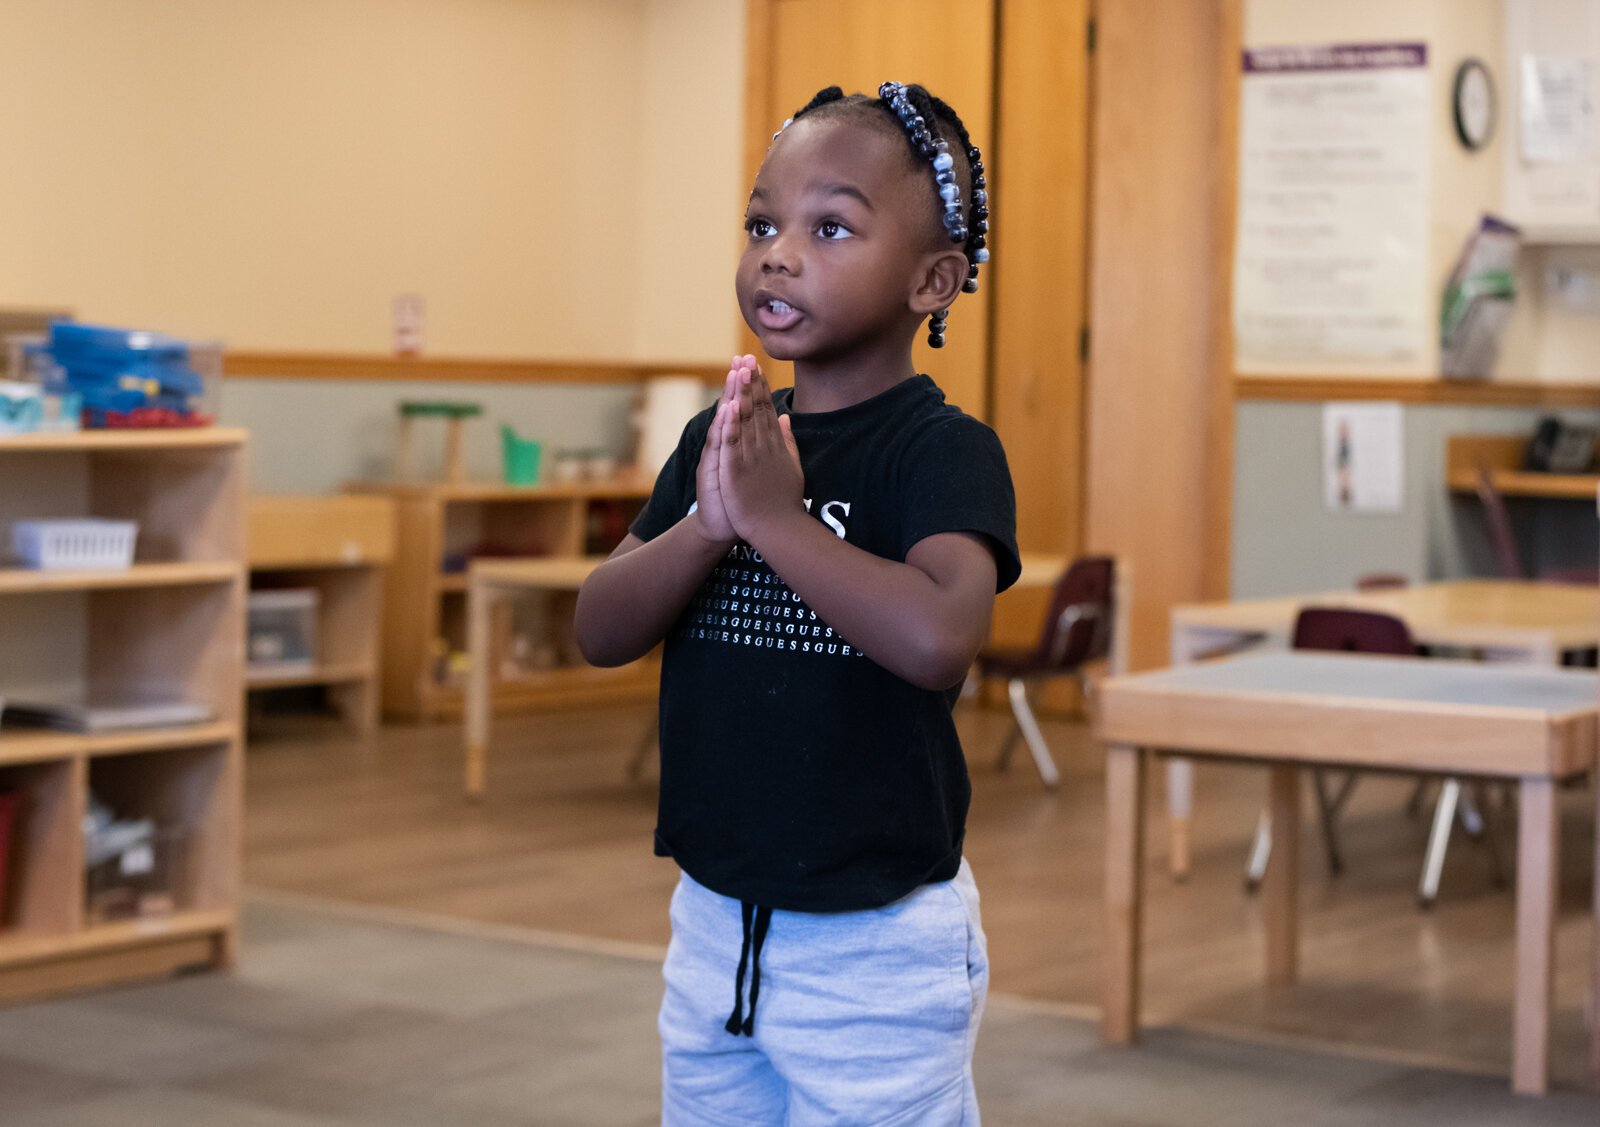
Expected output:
{"points": [[454, 415]]}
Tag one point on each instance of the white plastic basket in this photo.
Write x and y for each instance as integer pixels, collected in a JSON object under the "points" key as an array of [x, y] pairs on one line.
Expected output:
{"points": [[74, 543]]}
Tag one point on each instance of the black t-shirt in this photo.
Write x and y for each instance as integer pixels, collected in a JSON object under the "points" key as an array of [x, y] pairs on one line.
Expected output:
{"points": [[796, 772]]}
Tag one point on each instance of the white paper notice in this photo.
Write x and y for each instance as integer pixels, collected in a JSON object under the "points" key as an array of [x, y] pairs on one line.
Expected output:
{"points": [[1363, 456], [1558, 109], [1331, 264]]}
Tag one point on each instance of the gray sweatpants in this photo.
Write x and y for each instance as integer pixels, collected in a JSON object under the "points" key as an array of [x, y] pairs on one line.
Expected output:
{"points": [[863, 1018]]}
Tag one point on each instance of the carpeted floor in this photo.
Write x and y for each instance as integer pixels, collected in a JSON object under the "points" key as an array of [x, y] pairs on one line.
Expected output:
{"points": [[350, 1017]]}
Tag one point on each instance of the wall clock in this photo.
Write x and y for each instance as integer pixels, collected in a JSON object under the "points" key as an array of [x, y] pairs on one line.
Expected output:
{"points": [[1473, 103]]}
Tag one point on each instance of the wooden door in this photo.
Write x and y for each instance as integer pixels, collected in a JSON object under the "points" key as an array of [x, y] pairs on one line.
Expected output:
{"points": [[1038, 285], [798, 47]]}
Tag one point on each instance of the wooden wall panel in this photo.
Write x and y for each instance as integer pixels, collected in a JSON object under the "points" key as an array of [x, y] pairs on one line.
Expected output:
{"points": [[1037, 279], [1159, 444]]}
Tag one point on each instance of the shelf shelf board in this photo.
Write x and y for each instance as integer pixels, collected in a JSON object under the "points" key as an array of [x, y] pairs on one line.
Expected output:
{"points": [[327, 673], [451, 581], [18, 948], [574, 685], [627, 488], [20, 580], [1518, 483], [155, 438], [22, 745]]}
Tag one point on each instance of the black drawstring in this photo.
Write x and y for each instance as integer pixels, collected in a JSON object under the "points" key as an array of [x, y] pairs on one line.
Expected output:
{"points": [[756, 922]]}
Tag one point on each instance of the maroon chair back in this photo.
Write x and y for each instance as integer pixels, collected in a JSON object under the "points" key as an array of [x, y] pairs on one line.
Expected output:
{"points": [[1508, 561], [1352, 631], [1078, 627]]}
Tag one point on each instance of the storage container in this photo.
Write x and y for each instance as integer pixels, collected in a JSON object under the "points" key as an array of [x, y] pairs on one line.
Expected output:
{"points": [[282, 631], [10, 807], [143, 880], [76, 543]]}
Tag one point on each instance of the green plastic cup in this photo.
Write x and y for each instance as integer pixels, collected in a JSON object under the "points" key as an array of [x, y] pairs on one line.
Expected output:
{"points": [[520, 457]]}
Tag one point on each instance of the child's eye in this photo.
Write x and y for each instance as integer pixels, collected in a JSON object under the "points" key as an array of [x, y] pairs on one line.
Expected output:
{"points": [[833, 229], [759, 228]]}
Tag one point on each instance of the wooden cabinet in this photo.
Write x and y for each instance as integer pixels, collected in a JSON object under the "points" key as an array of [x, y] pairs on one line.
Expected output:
{"points": [[338, 547], [168, 628], [439, 527]]}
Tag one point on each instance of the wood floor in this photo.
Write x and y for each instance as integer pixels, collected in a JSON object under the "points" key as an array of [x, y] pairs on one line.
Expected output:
{"points": [[562, 843]]}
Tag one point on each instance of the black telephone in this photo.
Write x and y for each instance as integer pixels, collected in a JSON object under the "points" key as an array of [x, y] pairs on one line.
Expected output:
{"points": [[1560, 447]]}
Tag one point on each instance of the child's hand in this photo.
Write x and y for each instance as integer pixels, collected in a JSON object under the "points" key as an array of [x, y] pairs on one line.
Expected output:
{"points": [[758, 461], [713, 514]]}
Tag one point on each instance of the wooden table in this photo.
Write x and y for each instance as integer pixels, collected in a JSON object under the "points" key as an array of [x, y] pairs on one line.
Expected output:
{"points": [[1520, 621], [1293, 710], [492, 582]]}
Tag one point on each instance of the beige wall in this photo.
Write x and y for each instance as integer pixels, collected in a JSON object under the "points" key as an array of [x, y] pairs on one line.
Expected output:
{"points": [[549, 174]]}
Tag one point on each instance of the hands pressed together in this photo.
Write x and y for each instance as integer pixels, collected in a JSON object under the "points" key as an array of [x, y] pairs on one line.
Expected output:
{"points": [[749, 475]]}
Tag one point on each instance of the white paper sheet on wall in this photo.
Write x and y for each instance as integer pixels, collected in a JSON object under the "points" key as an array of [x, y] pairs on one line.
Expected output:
{"points": [[1552, 60], [1363, 457], [1557, 109], [1332, 256]]}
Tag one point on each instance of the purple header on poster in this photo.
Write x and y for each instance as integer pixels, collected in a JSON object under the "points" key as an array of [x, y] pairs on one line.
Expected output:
{"points": [[1335, 56]]}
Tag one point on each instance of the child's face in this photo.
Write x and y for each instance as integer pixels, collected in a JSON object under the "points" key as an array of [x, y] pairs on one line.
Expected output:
{"points": [[839, 244]]}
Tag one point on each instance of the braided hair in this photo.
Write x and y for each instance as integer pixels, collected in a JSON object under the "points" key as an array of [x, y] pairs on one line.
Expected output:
{"points": [[928, 125]]}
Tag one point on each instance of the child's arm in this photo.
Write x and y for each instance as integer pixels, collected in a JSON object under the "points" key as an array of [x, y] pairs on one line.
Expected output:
{"points": [[923, 620], [630, 602]]}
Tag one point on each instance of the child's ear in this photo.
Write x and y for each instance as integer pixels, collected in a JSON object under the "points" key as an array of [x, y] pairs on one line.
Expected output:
{"points": [[939, 282]]}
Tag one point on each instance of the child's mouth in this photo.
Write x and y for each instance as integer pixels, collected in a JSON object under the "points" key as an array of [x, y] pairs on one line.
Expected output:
{"points": [[777, 315]]}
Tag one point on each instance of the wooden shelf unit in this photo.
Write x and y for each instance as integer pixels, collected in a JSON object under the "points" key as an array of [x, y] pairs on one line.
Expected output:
{"points": [[169, 627], [338, 546], [1503, 455], [424, 604]]}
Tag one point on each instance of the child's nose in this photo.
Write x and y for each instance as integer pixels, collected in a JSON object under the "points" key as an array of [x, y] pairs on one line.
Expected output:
{"points": [[781, 256]]}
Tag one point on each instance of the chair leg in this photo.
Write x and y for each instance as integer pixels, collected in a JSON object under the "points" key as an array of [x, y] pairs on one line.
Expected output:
{"points": [[1444, 817], [1472, 820], [1329, 806], [1419, 795], [1006, 748], [1260, 853], [1017, 690]]}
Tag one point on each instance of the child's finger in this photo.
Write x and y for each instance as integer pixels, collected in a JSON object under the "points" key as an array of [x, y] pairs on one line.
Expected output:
{"points": [[714, 432], [746, 396]]}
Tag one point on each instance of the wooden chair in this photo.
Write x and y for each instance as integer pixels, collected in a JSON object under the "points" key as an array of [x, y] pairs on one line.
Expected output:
{"points": [[1369, 632], [1078, 629]]}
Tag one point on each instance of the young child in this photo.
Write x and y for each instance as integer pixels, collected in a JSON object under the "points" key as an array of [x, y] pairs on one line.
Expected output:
{"points": [[821, 563]]}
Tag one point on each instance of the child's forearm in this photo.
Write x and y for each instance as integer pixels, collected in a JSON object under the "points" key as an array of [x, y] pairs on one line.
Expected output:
{"points": [[897, 614], [630, 602]]}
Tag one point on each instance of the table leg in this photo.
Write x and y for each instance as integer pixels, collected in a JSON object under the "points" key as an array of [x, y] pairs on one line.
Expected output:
{"points": [[1538, 861], [1280, 886], [1180, 772], [479, 599], [1124, 844], [1180, 804]]}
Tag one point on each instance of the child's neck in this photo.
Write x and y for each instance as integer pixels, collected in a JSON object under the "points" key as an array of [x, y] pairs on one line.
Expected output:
{"points": [[821, 386]]}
